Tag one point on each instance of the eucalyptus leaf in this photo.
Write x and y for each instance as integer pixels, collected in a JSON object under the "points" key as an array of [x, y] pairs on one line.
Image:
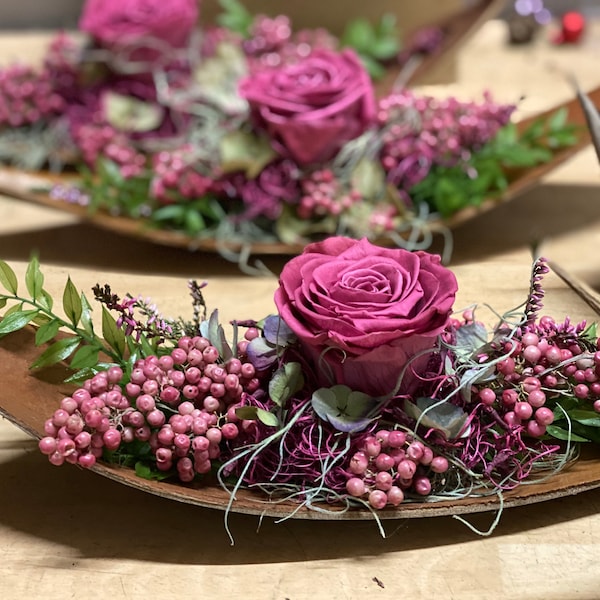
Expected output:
{"points": [[16, 320], [285, 382], [277, 332], [345, 409], [244, 151], [261, 353], [72, 302], [267, 418], [246, 412], [444, 416], [58, 351], [469, 338], [127, 113]]}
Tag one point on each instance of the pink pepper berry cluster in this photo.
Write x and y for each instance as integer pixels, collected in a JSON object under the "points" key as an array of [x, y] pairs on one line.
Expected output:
{"points": [[323, 194], [546, 362], [87, 422], [183, 404], [422, 131], [390, 464], [27, 96], [98, 139], [175, 176], [273, 43]]}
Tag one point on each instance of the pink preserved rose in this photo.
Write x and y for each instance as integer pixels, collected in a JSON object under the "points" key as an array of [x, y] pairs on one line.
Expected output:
{"points": [[361, 311], [312, 107], [123, 23]]}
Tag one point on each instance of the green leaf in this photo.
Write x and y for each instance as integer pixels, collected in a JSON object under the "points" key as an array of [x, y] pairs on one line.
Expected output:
{"points": [[34, 280], [558, 120], [3, 302], [246, 412], [146, 472], [244, 151], [86, 315], [72, 302], [113, 336], [8, 278], [85, 357], [127, 113], [266, 417], [586, 417], [345, 409], [47, 332], [285, 382], [46, 300], [81, 375], [235, 17], [563, 434], [58, 351], [16, 320]]}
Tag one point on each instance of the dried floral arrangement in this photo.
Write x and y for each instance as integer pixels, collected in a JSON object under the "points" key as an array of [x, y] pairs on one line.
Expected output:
{"points": [[251, 131], [364, 391]]}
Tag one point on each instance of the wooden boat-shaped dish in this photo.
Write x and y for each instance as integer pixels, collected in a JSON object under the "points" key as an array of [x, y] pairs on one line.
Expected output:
{"points": [[27, 398], [27, 186]]}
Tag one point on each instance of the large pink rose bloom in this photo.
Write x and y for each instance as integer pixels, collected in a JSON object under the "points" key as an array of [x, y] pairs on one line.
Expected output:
{"points": [[121, 23], [361, 311], [312, 107]]}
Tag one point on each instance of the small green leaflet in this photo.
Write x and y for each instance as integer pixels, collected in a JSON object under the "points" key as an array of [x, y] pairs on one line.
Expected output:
{"points": [[16, 320], [56, 352], [85, 357], [72, 302], [253, 412], [47, 332], [8, 278], [86, 315], [34, 280], [286, 381], [113, 336]]}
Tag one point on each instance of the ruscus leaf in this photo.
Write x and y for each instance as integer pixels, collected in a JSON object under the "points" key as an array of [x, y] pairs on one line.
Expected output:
{"points": [[16, 320], [46, 332], [85, 357], [8, 279], [113, 336], [34, 280], [72, 302], [56, 352]]}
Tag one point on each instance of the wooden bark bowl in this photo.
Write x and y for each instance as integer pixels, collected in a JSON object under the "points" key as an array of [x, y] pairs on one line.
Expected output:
{"points": [[28, 398], [27, 186]]}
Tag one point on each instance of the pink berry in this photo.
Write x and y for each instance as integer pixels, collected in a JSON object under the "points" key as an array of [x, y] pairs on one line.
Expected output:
{"points": [[396, 439], [422, 486], [439, 464], [47, 445], [406, 468], [395, 495], [536, 398], [544, 416], [523, 410], [487, 396], [535, 429], [384, 462], [359, 463], [378, 499], [356, 487]]}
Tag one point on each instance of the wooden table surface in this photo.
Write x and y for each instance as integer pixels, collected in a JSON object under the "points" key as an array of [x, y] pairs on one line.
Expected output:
{"points": [[69, 533]]}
